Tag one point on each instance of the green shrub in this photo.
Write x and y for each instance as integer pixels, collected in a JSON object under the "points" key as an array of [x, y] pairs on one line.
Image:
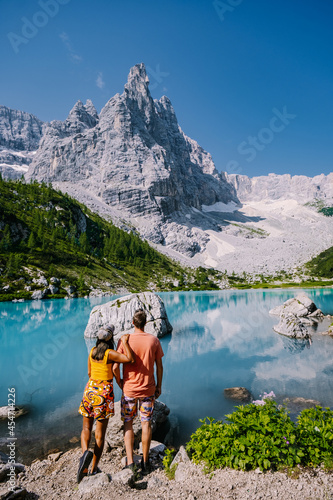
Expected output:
{"points": [[264, 436], [169, 469], [315, 434]]}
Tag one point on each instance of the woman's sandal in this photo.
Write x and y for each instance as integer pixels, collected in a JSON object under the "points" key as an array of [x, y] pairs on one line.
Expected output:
{"points": [[84, 464]]}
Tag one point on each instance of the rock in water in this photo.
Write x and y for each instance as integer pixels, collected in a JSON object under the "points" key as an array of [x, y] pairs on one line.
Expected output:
{"points": [[238, 393], [300, 306], [119, 312], [295, 314], [18, 411], [297, 404], [291, 326]]}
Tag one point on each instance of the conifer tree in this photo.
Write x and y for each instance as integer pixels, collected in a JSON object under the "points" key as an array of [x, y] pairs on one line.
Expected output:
{"points": [[31, 241], [5, 242]]}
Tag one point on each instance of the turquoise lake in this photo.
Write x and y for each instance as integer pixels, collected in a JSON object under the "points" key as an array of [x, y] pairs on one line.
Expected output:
{"points": [[220, 339]]}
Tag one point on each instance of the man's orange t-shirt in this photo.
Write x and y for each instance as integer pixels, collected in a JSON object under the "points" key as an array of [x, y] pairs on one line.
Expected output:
{"points": [[139, 381]]}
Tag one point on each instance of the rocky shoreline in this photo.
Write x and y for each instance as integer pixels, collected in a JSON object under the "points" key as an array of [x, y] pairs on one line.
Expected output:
{"points": [[55, 478]]}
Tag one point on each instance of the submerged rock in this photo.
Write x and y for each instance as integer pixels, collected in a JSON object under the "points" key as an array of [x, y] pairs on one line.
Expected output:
{"points": [[329, 331], [238, 394], [6, 468], [18, 411], [119, 312], [298, 404]]}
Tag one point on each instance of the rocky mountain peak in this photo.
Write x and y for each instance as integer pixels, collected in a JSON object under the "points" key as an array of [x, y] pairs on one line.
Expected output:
{"points": [[138, 81], [136, 159], [91, 109], [137, 95], [19, 130], [81, 117]]}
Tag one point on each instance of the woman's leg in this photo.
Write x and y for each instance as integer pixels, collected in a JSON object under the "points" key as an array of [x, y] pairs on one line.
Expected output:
{"points": [[86, 432], [100, 431]]}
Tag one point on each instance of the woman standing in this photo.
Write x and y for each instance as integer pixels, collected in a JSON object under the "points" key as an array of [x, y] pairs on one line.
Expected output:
{"points": [[98, 399]]}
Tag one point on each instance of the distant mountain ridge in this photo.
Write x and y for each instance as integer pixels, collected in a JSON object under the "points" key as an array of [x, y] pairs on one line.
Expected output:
{"points": [[283, 187], [20, 135], [133, 163]]}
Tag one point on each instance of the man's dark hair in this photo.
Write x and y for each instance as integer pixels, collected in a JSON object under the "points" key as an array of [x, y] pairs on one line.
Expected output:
{"points": [[139, 319]]}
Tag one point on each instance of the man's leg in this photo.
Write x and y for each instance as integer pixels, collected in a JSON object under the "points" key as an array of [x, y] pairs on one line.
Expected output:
{"points": [[128, 413], [146, 439], [100, 431], [146, 414], [86, 432]]}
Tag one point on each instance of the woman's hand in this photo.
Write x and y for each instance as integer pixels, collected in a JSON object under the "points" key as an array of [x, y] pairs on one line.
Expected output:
{"points": [[125, 338]]}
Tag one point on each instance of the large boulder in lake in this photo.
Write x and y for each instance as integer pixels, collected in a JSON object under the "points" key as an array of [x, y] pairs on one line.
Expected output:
{"points": [[291, 326], [119, 312], [300, 306], [295, 315]]}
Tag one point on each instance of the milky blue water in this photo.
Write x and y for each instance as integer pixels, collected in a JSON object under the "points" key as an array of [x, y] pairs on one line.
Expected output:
{"points": [[220, 339]]}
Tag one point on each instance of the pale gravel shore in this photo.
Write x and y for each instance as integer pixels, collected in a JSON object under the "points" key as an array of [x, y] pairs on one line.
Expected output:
{"points": [[57, 480]]}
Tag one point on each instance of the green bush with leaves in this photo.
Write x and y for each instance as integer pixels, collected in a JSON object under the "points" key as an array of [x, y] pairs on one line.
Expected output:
{"points": [[169, 469], [265, 437], [315, 434]]}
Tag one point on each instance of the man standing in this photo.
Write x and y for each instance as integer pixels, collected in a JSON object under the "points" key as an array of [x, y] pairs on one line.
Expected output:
{"points": [[138, 386]]}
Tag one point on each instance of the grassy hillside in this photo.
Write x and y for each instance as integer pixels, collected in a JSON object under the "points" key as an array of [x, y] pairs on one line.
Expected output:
{"points": [[322, 265], [46, 232]]}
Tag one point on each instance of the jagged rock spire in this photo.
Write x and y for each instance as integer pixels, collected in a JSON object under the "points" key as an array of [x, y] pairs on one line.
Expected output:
{"points": [[81, 117], [91, 109], [137, 93], [137, 81]]}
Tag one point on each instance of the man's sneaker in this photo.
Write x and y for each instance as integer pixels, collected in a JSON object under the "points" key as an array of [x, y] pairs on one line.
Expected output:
{"points": [[135, 469], [132, 467], [146, 467], [97, 471], [84, 464]]}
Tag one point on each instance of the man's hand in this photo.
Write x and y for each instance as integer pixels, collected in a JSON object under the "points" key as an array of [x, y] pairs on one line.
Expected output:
{"points": [[158, 392]]}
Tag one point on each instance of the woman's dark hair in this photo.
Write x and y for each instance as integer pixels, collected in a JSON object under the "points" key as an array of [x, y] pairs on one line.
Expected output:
{"points": [[100, 348]]}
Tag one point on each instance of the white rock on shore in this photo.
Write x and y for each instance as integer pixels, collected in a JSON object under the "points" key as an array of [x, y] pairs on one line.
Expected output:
{"points": [[119, 312]]}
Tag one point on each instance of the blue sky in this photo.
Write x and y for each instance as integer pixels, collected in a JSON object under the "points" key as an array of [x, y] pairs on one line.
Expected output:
{"points": [[250, 80]]}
